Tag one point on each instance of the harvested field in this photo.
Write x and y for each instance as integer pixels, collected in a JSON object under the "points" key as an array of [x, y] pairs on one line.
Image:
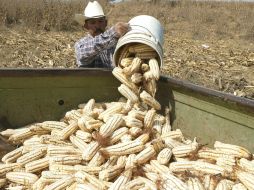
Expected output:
{"points": [[210, 44]]}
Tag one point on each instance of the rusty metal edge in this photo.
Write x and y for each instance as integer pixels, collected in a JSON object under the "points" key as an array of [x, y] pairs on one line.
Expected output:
{"points": [[174, 83]]}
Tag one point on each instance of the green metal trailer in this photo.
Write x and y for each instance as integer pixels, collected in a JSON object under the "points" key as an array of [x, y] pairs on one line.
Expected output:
{"points": [[36, 95]]}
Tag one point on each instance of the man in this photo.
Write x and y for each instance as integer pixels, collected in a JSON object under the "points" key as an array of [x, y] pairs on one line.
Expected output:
{"points": [[96, 50]]}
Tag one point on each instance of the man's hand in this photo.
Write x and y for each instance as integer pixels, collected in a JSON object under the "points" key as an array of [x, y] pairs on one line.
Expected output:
{"points": [[121, 28]]}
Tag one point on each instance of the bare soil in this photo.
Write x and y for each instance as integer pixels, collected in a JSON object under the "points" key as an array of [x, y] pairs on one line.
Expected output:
{"points": [[226, 66]]}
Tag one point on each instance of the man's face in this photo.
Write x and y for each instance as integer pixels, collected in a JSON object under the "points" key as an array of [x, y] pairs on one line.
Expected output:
{"points": [[96, 26]]}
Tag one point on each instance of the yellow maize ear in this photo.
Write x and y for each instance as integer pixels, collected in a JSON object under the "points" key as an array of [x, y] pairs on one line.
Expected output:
{"points": [[91, 150], [97, 160], [177, 135], [239, 186], [88, 108], [23, 178], [149, 100], [62, 150], [111, 125], [136, 78], [65, 159], [68, 131], [128, 93], [93, 170], [246, 165], [2, 182], [62, 168], [118, 73], [131, 121], [85, 136], [224, 184], [117, 134], [124, 178], [149, 118], [145, 155], [31, 156], [210, 182], [123, 148], [110, 173], [135, 131], [173, 182], [186, 150], [139, 48], [125, 62], [82, 176], [37, 165], [72, 115], [147, 55], [4, 168], [159, 168], [114, 109], [154, 68], [164, 156], [13, 155], [194, 184], [79, 143], [61, 183], [181, 166], [246, 178], [234, 150], [150, 86]]}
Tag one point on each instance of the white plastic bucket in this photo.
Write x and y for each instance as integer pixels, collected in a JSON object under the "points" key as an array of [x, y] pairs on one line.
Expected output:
{"points": [[146, 30]]}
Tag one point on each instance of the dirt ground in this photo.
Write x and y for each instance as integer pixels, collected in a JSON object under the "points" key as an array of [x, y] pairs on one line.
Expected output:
{"points": [[226, 66]]}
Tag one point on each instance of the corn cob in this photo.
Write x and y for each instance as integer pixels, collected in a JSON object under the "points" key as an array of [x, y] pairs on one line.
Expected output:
{"points": [[148, 183], [82, 122], [135, 131], [124, 148], [176, 134], [148, 168], [62, 150], [149, 118], [85, 186], [207, 168], [62, 168], [234, 150], [110, 173], [173, 182], [88, 108], [37, 165], [117, 108], [128, 93], [145, 155], [154, 68], [68, 131], [134, 184], [159, 168], [144, 67], [136, 78], [2, 182], [126, 138], [52, 176], [125, 62], [91, 150], [16, 187], [139, 48], [150, 86], [166, 127], [121, 161], [9, 132], [147, 76], [23, 178], [127, 107], [171, 143], [118, 73], [117, 134], [65, 159], [181, 166], [110, 162], [81, 176], [97, 160], [149, 100], [195, 184], [72, 115], [93, 170], [38, 129], [137, 114], [239, 186], [153, 176], [164, 156], [246, 178], [185, 150], [246, 165], [51, 125], [31, 156], [13, 155], [147, 55], [72, 186], [210, 182], [131, 121], [21, 135], [80, 144], [211, 154], [111, 125], [133, 67], [93, 124], [130, 162], [157, 126], [61, 183], [158, 144], [143, 139], [225, 185], [121, 180]]}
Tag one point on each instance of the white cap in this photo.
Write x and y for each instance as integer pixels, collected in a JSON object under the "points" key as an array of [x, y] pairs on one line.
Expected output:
{"points": [[92, 10]]}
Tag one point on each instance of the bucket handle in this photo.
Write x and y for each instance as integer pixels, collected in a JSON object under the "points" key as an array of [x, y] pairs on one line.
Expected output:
{"points": [[147, 30]]}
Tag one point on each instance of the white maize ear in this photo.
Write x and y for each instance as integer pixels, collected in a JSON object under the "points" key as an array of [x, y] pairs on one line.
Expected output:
{"points": [[121, 180], [93, 170], [81, 175], [176, 134], [210, 182], [150, 86], [239, 186], [91, 150], [53, 176], [140, 115], [97, 160], [207, 168], [149, 118], [143, 139], [116, 108], [246, 165], [128, 93], [144, 67], [62, 168], [37, 165], [159, 168], [149, 100], [110, 162], [125, 62], [61, 183], [88, 108], [185, 150], [62, 150], [65, 159], [173, 182], [195, 184], [135, 131], [224, 184], [211, 154], [139, 48], [4, 168], [136, 183], [121, 161], [157, 144], [2, 182], [51, 125], [164, 156], [21, 135], [172, 143], [117, 134], [154, 68], [181, 166], [110, 173], [145, 155], [148, 183], [85, 136], [147, 55], [72, 115], [79, 143], [13, 155], [131, 121], [246, 178], [130, 162], [136, 78], [31, 156], [23, 178], [68, 131]]}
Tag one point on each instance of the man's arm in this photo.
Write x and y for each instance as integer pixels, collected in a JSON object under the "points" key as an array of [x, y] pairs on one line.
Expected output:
{"points": [[87, 48]]}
